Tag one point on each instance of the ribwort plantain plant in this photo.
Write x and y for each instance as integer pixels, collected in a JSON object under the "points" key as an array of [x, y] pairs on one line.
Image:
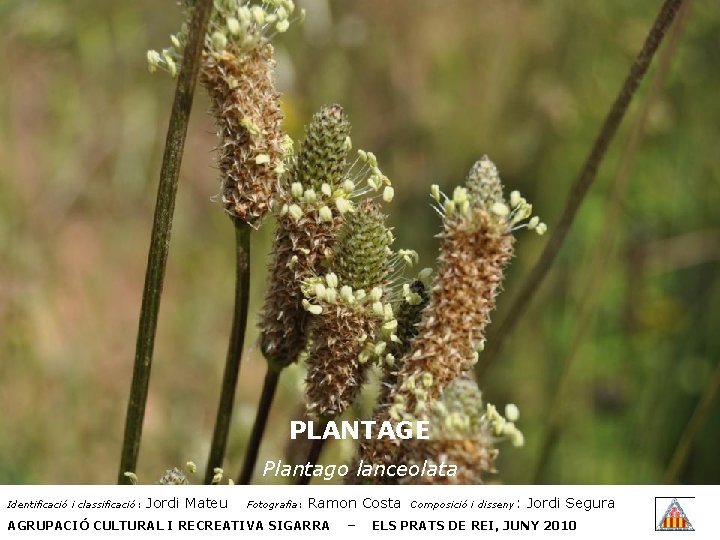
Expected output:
{"points": [[337, 298]]}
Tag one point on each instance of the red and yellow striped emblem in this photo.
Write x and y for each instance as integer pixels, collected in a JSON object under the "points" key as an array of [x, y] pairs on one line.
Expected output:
{"points": [[674, 523]]}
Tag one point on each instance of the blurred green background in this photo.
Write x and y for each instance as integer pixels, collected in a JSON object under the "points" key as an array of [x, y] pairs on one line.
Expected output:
{"points": [[619, 347]]}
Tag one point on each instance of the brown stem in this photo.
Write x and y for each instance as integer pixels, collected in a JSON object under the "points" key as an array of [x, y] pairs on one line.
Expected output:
{"points": [[582, 183], [160, 238]]}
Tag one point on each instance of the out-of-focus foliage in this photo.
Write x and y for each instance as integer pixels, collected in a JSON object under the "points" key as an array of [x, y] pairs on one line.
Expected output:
{"points": [[429, 86]]}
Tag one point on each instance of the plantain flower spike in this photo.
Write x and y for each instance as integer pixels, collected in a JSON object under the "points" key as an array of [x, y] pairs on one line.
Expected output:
{"points": [[322, 156], [308, 221], [174, 477], [362, 248], [476, 245], [348, 331], [237, 70], [463, 432]]}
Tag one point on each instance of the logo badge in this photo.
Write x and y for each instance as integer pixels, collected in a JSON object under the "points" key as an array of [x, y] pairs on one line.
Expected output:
{"points": [[674, 518]]}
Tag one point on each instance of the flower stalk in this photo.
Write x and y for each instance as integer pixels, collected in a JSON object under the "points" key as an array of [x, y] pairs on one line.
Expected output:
{"points": [[160, 237]]}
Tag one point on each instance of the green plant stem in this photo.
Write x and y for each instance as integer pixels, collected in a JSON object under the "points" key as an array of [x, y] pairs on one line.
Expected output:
{"points": [[682, 450], [160, 238], [314, 455], [235, 349], [581, 185], [604, 253], [261, 417]]}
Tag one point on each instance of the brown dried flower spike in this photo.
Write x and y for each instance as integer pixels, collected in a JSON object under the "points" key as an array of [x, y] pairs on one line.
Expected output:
{"points": [[246, 108], [476, 244], [237, 70]]}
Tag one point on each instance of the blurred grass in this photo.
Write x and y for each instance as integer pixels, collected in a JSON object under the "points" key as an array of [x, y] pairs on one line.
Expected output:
{"points": [[429, 86]]}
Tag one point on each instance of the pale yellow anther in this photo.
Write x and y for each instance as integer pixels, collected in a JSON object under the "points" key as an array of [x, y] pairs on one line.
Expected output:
{"points": [[262, 159], [517, 439], [512, 412], [258, 14], [219, 41], [449, 207], [172, 67], [435, 192], [295, 211], [320, 290], [282, 25], [376, 294], [296, 189], [348, 186], [346, 293], [413, 299], [514, 198], [326, 189], [541, 229], [153, 59], [312, 308], [409, 256], [388, 194], [325, 214], [500, 209], [424, 274], [460, 195], [347, 144], [332, 280], [233, 26], [343, 205], [244, 14], [310, 195], [378, 309], [131, 476], [331, 296], [175, 41], [390, 325]]}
